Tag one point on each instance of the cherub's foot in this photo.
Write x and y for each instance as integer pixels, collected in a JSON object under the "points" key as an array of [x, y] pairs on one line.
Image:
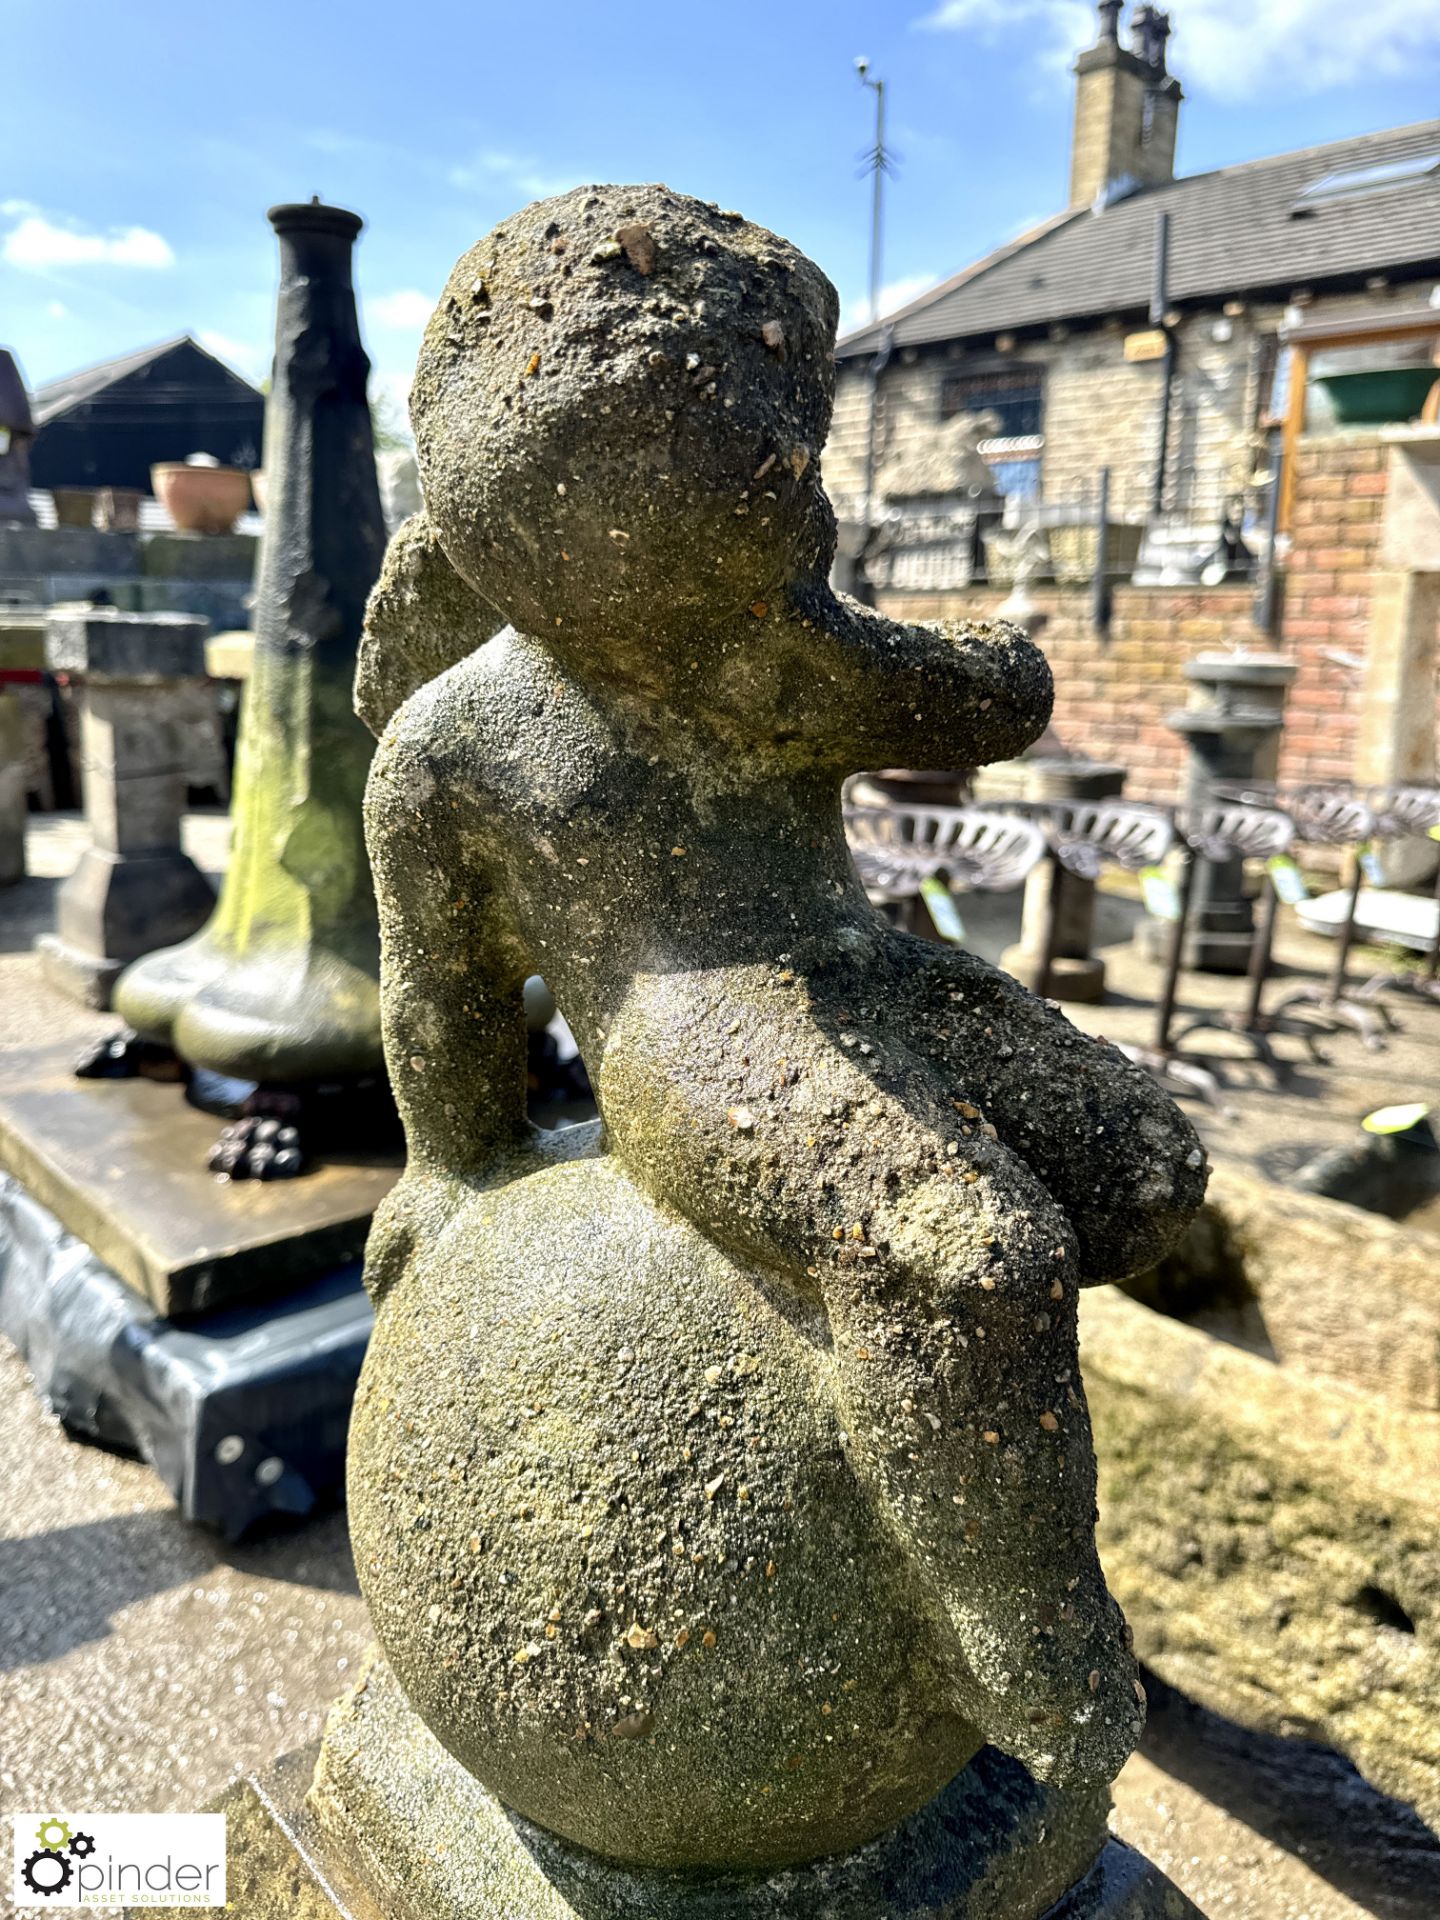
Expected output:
{"points": [[258, 1148], [127, 1055]]}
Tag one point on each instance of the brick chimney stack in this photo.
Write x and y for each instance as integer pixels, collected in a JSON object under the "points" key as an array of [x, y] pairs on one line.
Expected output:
{"points": [[1126, 108]]}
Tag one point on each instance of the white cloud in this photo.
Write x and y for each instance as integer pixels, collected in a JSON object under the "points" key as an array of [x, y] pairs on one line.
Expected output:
{"points": [[37, 244], [405, 311], [493, 168], [57, 310], [893, 294], [251, 361], [1230, 48]]}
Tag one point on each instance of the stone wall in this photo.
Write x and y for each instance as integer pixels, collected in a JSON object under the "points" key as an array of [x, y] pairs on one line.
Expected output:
{"points": [[1100, 409]]}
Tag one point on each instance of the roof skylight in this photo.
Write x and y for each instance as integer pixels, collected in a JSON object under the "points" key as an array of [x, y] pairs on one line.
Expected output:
{"points": [[1353, 181]]}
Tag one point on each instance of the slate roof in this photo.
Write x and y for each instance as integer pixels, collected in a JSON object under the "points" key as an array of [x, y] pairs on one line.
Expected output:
{"points": [[58, 396], [1232, 233]]}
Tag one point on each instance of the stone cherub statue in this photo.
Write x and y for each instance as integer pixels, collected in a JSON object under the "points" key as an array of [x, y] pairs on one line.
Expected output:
{"points": [[721, 1477]]}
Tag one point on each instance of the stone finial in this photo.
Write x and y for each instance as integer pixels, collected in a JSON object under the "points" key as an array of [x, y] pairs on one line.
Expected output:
{"points": [[1109, 12], [720, 1478]]}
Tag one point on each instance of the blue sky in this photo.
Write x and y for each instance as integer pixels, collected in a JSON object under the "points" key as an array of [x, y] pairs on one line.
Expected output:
{"points": [[146, 141]]}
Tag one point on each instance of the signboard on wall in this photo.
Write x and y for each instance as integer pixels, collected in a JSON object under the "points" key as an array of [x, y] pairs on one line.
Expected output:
{"points": [[1149, 345]]}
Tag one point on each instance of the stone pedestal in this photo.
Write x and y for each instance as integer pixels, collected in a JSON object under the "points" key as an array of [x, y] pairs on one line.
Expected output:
{"points": [[1074, 972], [135, 888], [12, 788], [379, 1823], [1231, 727]]}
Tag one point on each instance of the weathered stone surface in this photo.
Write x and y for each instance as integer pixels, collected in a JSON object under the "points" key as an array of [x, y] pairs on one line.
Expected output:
{"points": [[1323, 1288], [280, 985], [994, 1843], [1273, 1538], [720, 1481], [104, 644]]}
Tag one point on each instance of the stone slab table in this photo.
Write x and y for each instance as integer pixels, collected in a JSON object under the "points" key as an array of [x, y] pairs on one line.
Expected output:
{"points": [[135, 887], [121, 1163]]}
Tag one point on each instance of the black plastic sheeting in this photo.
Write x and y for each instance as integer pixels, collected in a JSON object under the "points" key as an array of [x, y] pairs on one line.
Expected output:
{"points": [[242, 1412]]}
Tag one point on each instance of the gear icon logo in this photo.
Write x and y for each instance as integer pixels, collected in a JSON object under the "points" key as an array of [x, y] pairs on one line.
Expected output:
{"points": [[82, 1846], [47, 1871], [53, 1834]]}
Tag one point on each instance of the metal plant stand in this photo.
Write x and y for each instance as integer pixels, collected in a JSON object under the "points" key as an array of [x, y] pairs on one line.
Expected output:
{"points": [[1226, 833], [1083, 837], [1402, 813], [896, 849]]}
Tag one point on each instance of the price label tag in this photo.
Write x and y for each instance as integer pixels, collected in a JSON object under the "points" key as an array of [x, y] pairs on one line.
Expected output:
{"points": [[943, 910], [1371, 868], [1159, 893], [1287, 879]]}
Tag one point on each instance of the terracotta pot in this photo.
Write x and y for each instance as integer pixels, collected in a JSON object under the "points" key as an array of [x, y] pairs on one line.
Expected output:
{"points": [[201, 499], [74, 506]]}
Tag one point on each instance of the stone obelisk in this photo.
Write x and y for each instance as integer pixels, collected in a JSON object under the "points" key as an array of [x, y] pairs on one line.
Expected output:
{"points": [[280, 987]]}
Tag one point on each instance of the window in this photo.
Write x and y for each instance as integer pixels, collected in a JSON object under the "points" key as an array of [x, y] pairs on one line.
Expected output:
{"points": [[1015, 397], [1358, 180]]}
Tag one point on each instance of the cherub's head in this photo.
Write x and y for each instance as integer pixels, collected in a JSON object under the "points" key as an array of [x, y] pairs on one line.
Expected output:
{"points": [[619, 409]]}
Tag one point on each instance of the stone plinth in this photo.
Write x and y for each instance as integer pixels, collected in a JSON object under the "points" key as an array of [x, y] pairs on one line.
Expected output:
{"points": [[1268, 1429], [303, 1846], [135, 887], [1074, 971], [1231, 727]]}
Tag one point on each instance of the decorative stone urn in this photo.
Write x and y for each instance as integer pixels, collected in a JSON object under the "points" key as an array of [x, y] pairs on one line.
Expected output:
{"points": [[720, 1476]]}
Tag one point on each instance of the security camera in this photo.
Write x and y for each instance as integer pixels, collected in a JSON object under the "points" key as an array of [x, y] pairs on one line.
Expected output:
{"points": [[862, 66]]}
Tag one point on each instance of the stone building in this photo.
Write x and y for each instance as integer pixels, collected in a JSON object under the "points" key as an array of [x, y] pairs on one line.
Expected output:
{"points": [[1138, 328]]}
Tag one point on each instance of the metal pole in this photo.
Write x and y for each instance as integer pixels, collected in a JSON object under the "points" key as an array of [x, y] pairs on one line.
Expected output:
{"points": [[1159, 305], [1176, 956], [877, 203], [1267, 603], [1100, 583], [1347, 931]]}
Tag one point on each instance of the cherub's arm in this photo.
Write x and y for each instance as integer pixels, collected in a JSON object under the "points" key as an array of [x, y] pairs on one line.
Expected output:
{"points": [[883, 692]]}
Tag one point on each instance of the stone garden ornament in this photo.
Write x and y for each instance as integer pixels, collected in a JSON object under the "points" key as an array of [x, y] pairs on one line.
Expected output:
{"points": [[721, 1479]]}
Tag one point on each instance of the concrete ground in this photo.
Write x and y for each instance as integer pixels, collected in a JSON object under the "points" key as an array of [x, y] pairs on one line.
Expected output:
{"points": [[142, 1662]]}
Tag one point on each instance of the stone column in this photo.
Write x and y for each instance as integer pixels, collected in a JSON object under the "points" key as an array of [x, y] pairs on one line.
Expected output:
{"points": [[135, 888], [1075, 973], [1231, 727], [1396, 739], [12, 788]]}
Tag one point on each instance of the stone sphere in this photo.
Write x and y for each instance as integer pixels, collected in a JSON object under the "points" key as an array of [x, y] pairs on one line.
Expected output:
{"points": [[614, 1549], [619, 409]]}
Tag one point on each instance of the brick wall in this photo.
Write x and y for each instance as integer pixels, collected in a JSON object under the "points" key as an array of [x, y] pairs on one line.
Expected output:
{"points": [[1340, 482], [1112, 694]]}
